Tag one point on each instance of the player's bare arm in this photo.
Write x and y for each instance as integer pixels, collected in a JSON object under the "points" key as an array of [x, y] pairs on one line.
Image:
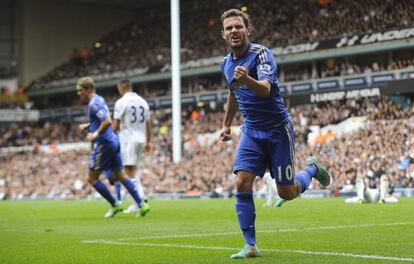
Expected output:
{"points": [[231, 109], [148, 128], [116, 125], [84, 126], [104, 124], [261, 88]]}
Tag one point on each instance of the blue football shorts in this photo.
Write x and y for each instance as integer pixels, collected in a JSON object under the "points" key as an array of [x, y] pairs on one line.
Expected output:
{"points": [[272, 149], [106, 156]]}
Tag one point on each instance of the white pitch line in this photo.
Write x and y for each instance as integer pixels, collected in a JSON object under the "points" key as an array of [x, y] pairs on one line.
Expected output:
{"points": [[335, 254], [266, 231]]}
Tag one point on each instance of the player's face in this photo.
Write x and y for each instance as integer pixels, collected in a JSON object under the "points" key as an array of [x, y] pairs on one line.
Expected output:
{"points": [[82, 93], [235, 32], [121, 89]]}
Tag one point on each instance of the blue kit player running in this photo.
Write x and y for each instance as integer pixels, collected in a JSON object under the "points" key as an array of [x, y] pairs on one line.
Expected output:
{"points": [[106, 148], [267, 138]]}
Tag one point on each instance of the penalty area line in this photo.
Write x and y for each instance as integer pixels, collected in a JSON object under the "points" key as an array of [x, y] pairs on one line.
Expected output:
{"points": [[304, 252]]}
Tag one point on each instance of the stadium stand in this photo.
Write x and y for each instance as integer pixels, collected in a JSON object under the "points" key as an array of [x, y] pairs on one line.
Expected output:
{"points": [[197, 84], [32, 152], [124, 49], [387, 125]]}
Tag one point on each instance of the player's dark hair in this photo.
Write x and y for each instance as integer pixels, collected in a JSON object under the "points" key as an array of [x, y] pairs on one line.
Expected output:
{"points": [[125, 83], [236, 12]]}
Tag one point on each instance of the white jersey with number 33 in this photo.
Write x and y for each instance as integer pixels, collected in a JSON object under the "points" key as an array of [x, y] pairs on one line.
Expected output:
{"points": [[133, 112]]}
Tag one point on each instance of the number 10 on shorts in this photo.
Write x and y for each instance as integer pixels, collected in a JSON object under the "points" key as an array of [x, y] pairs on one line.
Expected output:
{"points": [[288, 173]]}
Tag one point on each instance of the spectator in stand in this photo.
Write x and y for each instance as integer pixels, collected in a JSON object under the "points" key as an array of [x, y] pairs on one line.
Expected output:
{"points": [[85, 55], [120, 50]]}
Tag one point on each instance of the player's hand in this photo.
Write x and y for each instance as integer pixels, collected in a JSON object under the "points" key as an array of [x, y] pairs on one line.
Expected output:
{"points": [[90, 137], [240, 73], [147, 147], [83, 126], [225, 134]]}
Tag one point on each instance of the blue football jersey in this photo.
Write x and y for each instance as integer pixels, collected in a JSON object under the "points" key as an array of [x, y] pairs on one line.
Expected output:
{"points": [[98, 111], [258, 112]]}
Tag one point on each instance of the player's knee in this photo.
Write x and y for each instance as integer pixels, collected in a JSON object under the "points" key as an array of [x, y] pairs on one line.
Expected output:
{"points": [[288, 192], [119, 175], [93, 176], [130, 171], [287, 195], [243, 184], [92, 180]]}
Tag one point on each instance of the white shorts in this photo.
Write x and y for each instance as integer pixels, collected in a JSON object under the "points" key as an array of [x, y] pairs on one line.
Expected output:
{"points": [[371, 195], [131, 152]]}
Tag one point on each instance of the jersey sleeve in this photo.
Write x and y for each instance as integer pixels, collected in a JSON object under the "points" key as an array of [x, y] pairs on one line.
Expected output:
{"points": [[266, 66], [118, 110], [100, 109], [225, 75], [227, 85]]}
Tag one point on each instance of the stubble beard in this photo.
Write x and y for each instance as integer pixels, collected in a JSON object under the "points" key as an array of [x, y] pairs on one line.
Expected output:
{"points": [[239, 46]]}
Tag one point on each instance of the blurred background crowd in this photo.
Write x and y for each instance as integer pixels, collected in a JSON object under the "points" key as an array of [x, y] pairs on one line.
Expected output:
{"points": [[275, 23], [385, 144], [387, 138]]}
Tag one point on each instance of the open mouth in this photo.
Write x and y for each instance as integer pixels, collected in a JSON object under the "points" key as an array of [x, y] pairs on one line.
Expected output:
{"points": [[235, 39]]}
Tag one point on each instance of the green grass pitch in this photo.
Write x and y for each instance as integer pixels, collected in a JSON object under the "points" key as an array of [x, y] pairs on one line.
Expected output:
{"points": [[206, 231]]}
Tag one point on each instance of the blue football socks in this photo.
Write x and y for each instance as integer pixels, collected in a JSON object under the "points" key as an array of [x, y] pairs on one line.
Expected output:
{"points": [[118, 190], [304, 178], [246, 214], [133, 191], [101, 188]]}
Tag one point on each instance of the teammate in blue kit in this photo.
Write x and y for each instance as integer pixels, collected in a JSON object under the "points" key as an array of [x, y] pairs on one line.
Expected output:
{"points": [[106, 149], [267, 138]]}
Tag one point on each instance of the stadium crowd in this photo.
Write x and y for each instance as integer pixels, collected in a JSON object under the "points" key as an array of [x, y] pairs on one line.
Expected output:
{"points": [[125, 49], [344, 69], [197, 85], [194, 85], [34, 133], [13, 100], [387, 137]]}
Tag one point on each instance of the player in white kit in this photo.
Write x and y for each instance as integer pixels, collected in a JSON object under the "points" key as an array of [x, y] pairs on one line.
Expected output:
{"points": [[272, 197], [132, 119], [373, 188]]}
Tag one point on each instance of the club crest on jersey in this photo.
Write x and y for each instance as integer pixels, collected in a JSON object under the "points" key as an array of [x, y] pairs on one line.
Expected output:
{"points": [[100, 114], [235, 84], [265, 68]]}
